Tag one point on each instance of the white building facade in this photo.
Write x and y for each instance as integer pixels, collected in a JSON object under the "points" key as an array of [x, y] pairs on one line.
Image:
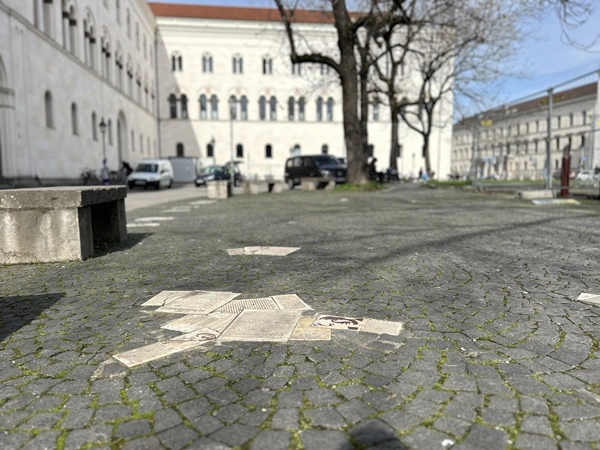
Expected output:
{"points": [[209, 56], [510, 142], [160, 78], [66, 66]]}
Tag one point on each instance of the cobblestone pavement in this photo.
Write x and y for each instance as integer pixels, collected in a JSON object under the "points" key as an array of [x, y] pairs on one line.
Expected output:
{"points": [[497, 353]]}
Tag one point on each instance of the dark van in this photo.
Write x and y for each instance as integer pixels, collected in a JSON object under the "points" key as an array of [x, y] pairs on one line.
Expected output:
{"points": [[319, 166]]}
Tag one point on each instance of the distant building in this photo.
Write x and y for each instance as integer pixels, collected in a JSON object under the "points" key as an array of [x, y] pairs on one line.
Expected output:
{"points": [[510, 142], [66, 67], [161, 77]]}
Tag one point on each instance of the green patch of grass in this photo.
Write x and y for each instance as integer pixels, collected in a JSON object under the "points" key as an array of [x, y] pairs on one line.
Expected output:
{"points": [[353, 187]]}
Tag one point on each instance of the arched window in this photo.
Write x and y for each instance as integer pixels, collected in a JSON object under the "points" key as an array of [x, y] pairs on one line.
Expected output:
{"points": [[49, 109], [179, 149], [106, 64], [74, 124], [214, 107], [244, 107], [325, 149], [329, 109], [132, 141], [94, 127], [239, 151], [232, 107], [118, 11], [69, 27], [291, 103], [128, 23], [203, 107], [176, 62], [109, 132], [319, 109], [301, 103], [273, 108], [172, 106], [268, 151], [184, 109], [582, 141], [137, 36], [210, 150], [262, 108]]}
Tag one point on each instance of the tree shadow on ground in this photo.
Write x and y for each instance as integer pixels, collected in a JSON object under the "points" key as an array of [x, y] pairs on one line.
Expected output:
{"points": [[376, 434], [19, 310], [104, 248]]}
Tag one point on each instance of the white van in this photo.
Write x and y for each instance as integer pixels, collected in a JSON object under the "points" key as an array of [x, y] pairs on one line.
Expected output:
{"points": [[155, 173]]}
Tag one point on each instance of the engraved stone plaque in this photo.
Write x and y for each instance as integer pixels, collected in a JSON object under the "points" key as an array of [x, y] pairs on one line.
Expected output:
{"points": [[381, 327], [338, 322], [216, 321], [235, 306], [304, 332], [200, 303], [291, 301], [262, 326], [154, 351]]}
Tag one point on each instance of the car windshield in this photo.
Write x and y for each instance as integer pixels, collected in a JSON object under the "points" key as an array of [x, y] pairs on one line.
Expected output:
{"points": [[324, 160], [147, 168], [210, 169]]}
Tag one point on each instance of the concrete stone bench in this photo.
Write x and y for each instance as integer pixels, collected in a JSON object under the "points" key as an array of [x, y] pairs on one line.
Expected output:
{"points": [[59, 223], [219, 189], [264, 186], [535, 194], [314, 183]]}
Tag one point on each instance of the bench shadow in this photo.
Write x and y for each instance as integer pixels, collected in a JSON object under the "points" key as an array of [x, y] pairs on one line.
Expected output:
{"points": [[104, 248], [19, 310]]}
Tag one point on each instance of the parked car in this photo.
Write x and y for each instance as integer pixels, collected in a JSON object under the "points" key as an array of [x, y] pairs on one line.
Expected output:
{"points": [[586, 175], [211, 173], [237, 173], [154, 173], [320, 166]]}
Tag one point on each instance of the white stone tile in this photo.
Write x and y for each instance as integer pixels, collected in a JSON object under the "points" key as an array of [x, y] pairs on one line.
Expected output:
{"points": [[202, 202], [252, 250], [291, 302], [165, 297], [304, 331], [381, 327], [262, 326], [216, 321], [594, 299], [154, 219], [155, 351], [235, 306], [235, 251], [143, 225], [338, 322], [278, 251], [198, 302]]}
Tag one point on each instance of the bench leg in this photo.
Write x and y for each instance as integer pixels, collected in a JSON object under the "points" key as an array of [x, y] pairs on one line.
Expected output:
{"points": [[109, 222]]}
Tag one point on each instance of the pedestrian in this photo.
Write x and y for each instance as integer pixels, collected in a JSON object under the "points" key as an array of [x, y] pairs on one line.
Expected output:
{"points": [[105, 173]]}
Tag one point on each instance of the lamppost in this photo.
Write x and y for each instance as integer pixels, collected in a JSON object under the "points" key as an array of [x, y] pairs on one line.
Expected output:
{"points": [[232, 110], [102, 127], [212, 147]]}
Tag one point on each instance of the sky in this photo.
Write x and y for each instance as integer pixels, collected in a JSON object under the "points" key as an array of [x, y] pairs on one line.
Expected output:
{"points": [[544, 60]]}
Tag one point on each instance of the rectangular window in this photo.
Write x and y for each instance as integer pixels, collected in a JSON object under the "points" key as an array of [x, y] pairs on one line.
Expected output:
{"points": [[267, 66], [238, 64]]}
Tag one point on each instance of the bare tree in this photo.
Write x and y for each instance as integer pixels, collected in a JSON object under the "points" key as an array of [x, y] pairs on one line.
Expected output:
{"points": [[454, 45]]}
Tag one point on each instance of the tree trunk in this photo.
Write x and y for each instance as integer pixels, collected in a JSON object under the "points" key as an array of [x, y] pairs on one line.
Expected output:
{"points": [[394, 140], [357, 159]]}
